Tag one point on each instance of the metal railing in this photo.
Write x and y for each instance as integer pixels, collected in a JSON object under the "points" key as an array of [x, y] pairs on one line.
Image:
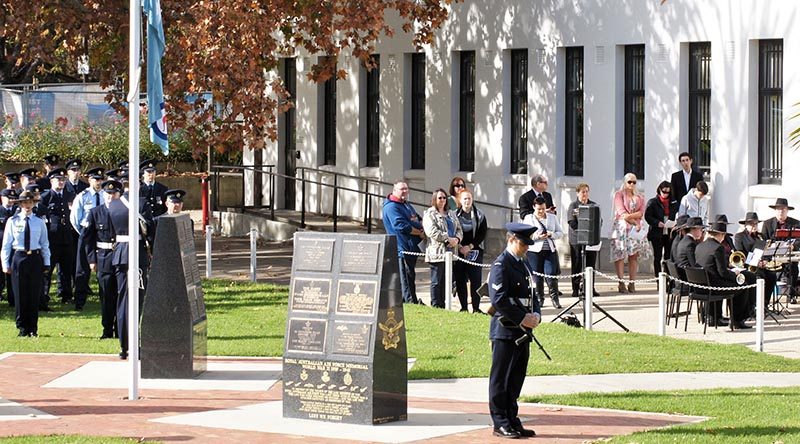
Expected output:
{"points": [[365, 186]]}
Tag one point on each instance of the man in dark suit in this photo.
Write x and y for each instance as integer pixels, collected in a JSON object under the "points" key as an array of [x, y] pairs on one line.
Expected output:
{"points": [[509, 282], [684, 180], [538, 188], [74, 183], [711, 257], [151, 190], [685, 254], [678, 231]]}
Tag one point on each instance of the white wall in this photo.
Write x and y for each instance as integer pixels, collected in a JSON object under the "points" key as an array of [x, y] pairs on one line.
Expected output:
{"points": [[602, 27]]}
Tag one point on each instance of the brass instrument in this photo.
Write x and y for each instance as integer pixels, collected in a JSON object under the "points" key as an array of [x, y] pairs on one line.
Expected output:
{"points": [[736, 260]]}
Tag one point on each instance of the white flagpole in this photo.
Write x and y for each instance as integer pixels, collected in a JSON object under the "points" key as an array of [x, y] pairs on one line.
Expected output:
{"points": [[134, 57]]}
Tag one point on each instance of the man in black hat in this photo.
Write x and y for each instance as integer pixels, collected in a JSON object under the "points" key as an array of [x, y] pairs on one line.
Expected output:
{"points": [[173, 199], [685, 254], [510, 281], [727, 243], [54, 206], [711, 257], [677, 234], [87, 199], [769, 230], [12, 181], [74, 183], [747, 241], [98, 241], [152, 190], [26, 254], [7, 209], [51, 162]]}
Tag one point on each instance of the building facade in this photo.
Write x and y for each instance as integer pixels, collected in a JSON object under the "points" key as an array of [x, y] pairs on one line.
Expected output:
{"points": [[579, 91]]}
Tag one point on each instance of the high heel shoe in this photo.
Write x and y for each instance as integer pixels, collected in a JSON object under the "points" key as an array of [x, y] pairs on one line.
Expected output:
{"points": [[621, 287], [631, 288]]}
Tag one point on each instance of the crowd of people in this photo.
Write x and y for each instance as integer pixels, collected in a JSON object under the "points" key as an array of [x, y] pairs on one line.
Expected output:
{"points": [[79, 226], [640, 229]]}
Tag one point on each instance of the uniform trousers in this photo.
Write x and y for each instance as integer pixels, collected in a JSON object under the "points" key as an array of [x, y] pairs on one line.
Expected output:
{"points": [[62, 255], [121, 276], [509, 364], [82, 274], [26, 272], [107, 283]]}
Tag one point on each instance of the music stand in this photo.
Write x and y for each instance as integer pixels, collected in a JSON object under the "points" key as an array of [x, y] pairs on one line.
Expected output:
{"points": [[780, 249], [582, 298]]}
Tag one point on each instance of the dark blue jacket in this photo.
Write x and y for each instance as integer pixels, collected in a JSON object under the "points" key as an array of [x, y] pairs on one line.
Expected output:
{"points": [[398, 219], [654, 213], [55, 211], [99, 229], [509, 290]]}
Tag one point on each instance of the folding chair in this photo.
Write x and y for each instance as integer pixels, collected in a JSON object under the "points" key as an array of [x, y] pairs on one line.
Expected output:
{"points": [[698, 276], [677, 293]]}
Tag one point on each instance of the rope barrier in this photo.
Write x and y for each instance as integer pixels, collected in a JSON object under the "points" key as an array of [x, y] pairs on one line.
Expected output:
{"points": [[607, 276]]}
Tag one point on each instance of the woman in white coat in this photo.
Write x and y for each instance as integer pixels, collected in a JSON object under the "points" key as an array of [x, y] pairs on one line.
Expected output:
{"points": [[543, 255]]}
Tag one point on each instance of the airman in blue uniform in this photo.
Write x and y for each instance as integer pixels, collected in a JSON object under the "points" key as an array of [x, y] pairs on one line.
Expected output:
{"points": [[87, 199], [54, 206], [98, 240], [26, 255], [510, 281]]}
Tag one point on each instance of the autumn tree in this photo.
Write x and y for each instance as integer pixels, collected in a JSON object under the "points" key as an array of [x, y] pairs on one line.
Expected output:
{"points": [[222, 47]]}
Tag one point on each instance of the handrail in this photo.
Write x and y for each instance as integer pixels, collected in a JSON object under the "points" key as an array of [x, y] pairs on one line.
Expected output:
{"points": [[368, 195]]}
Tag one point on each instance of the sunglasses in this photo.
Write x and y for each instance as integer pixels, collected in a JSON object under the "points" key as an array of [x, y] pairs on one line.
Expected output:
{"points": [[441, 198], [631, 182], [665, 190], [458, 185]]}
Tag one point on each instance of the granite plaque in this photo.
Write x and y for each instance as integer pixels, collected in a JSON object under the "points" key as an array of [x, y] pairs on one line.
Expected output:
{"points": [[306, 335], [351, 338], [345, 355], [173, 333], [313, 254], [356, 297], [360, 256], [310, 295]]}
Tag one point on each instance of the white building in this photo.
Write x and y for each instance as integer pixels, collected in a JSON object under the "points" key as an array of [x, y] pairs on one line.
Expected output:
{"points": [[710, 77]]}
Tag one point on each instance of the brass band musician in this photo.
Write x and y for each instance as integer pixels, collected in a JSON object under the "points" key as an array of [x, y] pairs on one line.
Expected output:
{"points": [[782, 221], [746, 241]]}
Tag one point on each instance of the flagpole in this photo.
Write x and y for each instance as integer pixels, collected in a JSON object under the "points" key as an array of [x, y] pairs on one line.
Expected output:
{"points": [[134, 67]]}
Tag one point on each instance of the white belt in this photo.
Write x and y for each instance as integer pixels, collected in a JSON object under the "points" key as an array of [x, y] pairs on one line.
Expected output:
{"points": [[105, 245], [123, 238]]}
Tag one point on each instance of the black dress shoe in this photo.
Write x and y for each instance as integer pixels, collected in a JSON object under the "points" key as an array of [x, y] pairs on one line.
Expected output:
{"points": [[741, 325], [478, 311], [22, 333], [506, 432], [123, 355], [33, 334], [107, 336], [525, 433], [556, 304]]}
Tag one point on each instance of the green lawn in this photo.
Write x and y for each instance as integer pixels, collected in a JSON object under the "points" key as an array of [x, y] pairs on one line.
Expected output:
{"points": [[247, 319], [750, 415]]}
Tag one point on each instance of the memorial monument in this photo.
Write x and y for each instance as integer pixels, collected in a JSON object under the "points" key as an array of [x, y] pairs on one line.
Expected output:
{"points": [[345, 356], [174, 313]]}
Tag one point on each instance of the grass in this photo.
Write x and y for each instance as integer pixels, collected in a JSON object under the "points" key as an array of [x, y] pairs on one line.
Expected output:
{"points": [[247, 319], [747, 415]]}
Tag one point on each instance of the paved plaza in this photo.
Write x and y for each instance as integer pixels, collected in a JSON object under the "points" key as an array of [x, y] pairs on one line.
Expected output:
{"points": [[239, 399]]}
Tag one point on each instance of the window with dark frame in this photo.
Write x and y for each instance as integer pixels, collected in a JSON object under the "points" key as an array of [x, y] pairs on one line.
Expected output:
{"points": [[700, 105], [373, 113], [329, 120], [634, 110], [573, 119], [466, 111], [770, 111], [519, 111], [418, 111]]}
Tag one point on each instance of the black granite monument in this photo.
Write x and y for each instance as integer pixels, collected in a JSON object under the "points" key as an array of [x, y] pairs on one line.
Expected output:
{"points": [[173, 314], [345, 356]]}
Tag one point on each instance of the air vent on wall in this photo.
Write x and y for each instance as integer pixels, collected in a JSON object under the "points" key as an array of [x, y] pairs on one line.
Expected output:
{"points": [[599, 55], [662, 52], [541, 56]]}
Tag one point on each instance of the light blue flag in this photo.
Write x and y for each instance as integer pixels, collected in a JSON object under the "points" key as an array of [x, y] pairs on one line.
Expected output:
{"points": [[156, 114]]}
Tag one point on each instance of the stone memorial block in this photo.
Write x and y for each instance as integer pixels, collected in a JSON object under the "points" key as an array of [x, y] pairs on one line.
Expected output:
{"points": [[173, 314], [345, 356]]}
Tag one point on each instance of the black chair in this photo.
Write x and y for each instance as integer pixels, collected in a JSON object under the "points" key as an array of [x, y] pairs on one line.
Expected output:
{"points": [[676, 294], [698, 276]]}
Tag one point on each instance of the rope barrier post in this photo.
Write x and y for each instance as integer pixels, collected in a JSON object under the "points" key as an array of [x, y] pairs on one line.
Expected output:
{"points": [[662, 303], [448, 280], [208, 251], [588, 285], [253, 234], [760, 314]]}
